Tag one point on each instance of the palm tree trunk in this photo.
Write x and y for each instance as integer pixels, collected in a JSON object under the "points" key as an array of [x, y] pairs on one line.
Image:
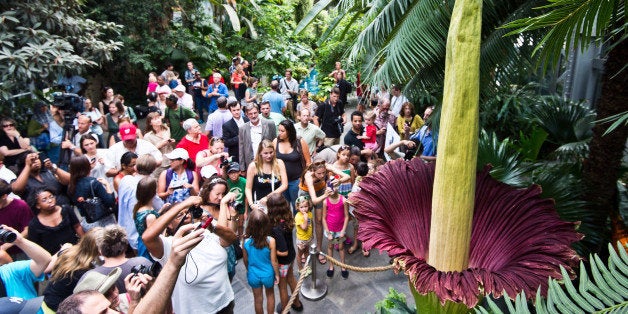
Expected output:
{"points": [[601, 168]]}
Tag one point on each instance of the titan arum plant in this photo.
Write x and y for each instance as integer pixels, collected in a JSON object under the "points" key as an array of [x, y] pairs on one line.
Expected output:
{"points": [[459, 234]]}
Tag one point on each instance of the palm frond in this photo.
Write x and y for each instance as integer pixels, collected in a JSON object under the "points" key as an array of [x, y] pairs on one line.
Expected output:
{"points": [[311, 15], [233, 17], [571, 24], [606, 292], [506, 164], [564, 121], [618, 120]]}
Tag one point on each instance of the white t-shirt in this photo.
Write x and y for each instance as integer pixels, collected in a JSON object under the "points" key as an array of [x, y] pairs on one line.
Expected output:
{"points": [[256, 136], [187, 101], [143, 147], [203, 283], [396, 103]]}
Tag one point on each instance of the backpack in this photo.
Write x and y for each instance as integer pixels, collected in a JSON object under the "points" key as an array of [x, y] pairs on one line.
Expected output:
{"points": [[188, 172]]}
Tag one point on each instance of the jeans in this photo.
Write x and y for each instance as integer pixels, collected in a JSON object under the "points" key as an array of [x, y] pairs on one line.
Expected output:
{"points": [[291, 194]]}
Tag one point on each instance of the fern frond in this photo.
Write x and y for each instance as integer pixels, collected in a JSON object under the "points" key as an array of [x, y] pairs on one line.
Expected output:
{"points": [[610, 286]]}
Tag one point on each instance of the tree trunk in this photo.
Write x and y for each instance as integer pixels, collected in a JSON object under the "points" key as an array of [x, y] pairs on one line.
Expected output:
{"points": [[601, 168]]}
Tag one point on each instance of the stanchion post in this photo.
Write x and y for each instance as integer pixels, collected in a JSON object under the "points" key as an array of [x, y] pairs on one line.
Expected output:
{"points": [[313, 289]]}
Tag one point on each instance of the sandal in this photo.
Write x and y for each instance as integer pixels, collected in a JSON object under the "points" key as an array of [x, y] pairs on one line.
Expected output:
{"points": [[366, 253], [352, 250], [322, 259]]}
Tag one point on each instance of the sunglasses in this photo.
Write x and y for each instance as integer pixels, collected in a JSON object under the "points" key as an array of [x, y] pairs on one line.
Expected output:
{"points": [[8, 125]]}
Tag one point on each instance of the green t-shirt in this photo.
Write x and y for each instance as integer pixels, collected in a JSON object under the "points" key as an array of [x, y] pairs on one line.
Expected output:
{"points": [[176, 118], [238, 188]]}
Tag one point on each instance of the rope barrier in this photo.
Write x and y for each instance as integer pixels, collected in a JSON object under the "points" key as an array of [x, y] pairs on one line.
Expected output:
{"points": [[306, 271]]}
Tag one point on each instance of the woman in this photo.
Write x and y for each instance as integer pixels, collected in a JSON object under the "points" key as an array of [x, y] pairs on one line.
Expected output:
{"points": [[54, 225], [12, 145], [128, 111], [314, 184], [112, 247], [107, 99], [180, 180], [97, 120], [83, 187], [96, 156], [408, 122], [295, 154], [251, 92], [127, 163], [194, 140], [116, 111], [266, 175], [305, 103], [211, 158], [69, 267], [144, 214], [56, 133], [238, 79], [215, 200], [158, 134], [41, 174]]}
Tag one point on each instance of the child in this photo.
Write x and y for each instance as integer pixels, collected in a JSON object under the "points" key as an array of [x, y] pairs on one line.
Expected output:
{"points": [[152, 83], [335, 220], [260, 260], [342, 163], [369, 138], [237, 184], [303, 221], [362, 170], [281, 218], [144, 214]]}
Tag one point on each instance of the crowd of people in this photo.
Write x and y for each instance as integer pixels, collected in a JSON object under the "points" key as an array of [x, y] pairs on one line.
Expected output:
{"points": [[113, 218]]}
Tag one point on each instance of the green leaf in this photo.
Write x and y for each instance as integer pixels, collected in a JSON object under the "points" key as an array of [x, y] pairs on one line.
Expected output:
{"points": [[310, 16], [233, 17]]}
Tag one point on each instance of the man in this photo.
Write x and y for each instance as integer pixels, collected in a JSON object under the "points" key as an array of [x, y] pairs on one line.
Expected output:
{"points": [[345, 89], [18, 277], [251, 134], [330, 117], [194, 141], [163, 88], [338, 72], [311, 133], [175, 115], [276, 100], [84, 123], [215, 90], [71, 83], [264, 109], [185, 100], [351, 138], [427, 137], [144, 166], [210, 279], [14, 213], [383, 117], [230, 130], [397, 100], [84, 302], [216, 120], [188, 75], [289, 88], [129, 143]]}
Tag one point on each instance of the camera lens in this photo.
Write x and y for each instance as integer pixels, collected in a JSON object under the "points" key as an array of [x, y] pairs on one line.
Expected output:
{"points": [[7, 236]]}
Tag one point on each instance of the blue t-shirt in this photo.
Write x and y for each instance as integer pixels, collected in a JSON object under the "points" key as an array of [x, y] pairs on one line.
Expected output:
{"points": [[222, 90], [276, 101], [18, 279]]}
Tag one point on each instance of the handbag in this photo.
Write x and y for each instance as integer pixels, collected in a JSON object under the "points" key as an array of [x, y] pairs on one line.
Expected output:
{"points": [[93, 208]]}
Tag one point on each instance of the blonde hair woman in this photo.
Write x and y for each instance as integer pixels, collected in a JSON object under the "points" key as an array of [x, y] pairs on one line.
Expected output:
{"points": [[69, 267], [158, 133], [266, 175]]}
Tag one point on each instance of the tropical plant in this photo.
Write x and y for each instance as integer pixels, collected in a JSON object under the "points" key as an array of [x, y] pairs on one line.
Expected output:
{"points": [[517, 240], [606, 292], [576, 24], [41, 40], [506, 163]]}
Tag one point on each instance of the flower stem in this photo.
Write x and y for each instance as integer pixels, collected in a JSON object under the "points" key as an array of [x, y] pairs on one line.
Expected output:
{"points": [[454, 183]]}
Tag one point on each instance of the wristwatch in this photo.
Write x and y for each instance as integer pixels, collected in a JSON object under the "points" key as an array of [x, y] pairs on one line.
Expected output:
{"points": [[55, 168]]}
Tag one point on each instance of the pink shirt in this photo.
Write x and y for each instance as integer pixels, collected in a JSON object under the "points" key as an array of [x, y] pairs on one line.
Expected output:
{"points": [[335, 214]]}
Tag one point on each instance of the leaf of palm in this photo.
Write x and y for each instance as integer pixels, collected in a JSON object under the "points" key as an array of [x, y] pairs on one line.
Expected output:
{"points": [[581, 21]]}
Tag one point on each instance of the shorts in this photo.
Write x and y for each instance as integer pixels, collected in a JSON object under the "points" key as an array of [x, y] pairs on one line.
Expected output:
{"points": [[283, 270], [257, 282], [336, 238], [303, 244]]}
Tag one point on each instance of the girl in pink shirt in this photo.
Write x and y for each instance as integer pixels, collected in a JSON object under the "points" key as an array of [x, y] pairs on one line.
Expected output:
{"points": [[335, 220]]}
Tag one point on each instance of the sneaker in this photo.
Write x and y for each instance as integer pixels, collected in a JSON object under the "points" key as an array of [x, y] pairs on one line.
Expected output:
{"points": [[344, 274], [348, 241], [330, 273]]}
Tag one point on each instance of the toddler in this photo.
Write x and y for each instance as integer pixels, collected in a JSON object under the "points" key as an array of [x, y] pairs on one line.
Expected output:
{"points": [[369, 138], [303, 221]]}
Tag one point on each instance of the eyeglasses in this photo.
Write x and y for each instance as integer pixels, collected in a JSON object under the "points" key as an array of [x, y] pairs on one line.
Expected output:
{"points": [[8, 125]]}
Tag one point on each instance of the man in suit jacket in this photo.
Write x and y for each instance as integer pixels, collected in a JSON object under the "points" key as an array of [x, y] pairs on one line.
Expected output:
{"points": [[230, 130], [252, 133]]}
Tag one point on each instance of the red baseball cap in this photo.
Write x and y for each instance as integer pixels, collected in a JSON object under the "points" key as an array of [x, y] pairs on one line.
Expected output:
{"points": [[128, 131]]}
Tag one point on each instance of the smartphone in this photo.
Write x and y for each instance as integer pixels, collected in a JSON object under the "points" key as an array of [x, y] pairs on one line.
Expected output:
{"points": [[330, 185], [207, 223]]}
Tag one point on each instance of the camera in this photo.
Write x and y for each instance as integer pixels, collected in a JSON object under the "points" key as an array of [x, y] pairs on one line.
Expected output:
{"points": [[68, 102], [224, 162], [339, 125], [237, 206], [411, 152], [7, 236], [196, 211], [152, 271]]}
